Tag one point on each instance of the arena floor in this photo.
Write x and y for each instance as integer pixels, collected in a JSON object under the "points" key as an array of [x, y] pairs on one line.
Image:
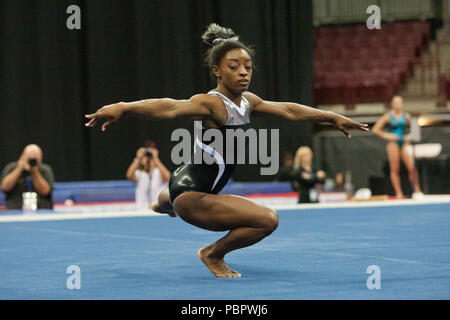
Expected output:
{"points": [[318, 252]]}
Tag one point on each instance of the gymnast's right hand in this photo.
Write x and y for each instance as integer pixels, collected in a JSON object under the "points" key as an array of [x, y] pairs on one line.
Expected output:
{"points": [[110, 113]]}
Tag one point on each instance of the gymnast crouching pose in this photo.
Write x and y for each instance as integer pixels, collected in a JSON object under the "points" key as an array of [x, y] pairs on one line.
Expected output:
{"points": [[193, 188]]}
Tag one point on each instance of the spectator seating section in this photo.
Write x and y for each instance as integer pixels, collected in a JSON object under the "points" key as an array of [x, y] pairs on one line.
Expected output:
{"points": [[353, 64]]}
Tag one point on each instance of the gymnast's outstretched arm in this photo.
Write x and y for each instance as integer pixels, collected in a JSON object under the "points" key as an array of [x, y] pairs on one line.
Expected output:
{"points": [[198, 107], [297, 112]]}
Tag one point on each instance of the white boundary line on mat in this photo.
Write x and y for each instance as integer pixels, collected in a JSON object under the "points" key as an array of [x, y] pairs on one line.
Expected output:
{"points": [[76, 215], [148, 213], [438, 199]]}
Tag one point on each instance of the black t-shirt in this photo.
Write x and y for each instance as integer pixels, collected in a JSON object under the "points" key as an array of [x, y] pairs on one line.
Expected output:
{"points": [[24, 184], [306, 184]]}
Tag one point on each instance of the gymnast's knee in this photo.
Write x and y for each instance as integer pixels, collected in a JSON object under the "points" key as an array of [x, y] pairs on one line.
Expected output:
{"points": [[270, 221], [394, 171]]}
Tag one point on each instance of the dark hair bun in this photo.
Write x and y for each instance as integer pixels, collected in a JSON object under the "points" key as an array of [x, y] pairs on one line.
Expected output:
{"points": [[214, 31]]}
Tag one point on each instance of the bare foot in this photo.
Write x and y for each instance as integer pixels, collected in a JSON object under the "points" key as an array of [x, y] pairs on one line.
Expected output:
{"points": [[156, 208], [218, 267]]}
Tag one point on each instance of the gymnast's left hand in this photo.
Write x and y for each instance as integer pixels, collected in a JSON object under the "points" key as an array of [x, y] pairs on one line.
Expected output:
{"points": [[343, 123], [110, 113]]}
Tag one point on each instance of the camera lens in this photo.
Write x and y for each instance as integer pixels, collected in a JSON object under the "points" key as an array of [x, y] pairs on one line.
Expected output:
{"points": [[32, 162], [148, 154]]}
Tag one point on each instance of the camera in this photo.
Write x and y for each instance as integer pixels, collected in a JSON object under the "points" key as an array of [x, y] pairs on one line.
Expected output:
{"points": [[148, 154], [32, 162]]}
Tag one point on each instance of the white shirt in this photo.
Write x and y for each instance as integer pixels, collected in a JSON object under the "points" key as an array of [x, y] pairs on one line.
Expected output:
{"points": [[148, 187]]}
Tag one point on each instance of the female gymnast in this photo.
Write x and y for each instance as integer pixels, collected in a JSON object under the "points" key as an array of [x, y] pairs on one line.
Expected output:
{"points": [[396, 120], [193, 188]]}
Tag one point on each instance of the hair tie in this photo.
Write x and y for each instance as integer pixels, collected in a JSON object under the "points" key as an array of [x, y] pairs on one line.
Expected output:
{"points": [[219, 40]]}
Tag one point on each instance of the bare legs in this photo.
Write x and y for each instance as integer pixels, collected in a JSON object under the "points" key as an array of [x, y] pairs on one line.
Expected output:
{"points": [[394, 155], [408, 160], [248, 223], [393, 152]]}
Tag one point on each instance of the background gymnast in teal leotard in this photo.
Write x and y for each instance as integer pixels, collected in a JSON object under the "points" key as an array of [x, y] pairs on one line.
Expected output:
{"points": [[396, 121], [397, 126]]}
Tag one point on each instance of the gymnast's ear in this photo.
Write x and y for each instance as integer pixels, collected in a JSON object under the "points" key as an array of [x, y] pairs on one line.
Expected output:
{"points": [[215, 70]]}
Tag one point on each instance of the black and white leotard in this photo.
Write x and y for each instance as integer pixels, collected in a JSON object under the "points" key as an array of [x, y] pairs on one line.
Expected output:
{"points": [[211, 178]]}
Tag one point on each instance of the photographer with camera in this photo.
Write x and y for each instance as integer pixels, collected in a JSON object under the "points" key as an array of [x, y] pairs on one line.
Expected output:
{"points": [[149, 174], [28, 175]]}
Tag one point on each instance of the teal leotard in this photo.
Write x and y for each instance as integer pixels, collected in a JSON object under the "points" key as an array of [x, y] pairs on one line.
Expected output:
{"points": [[397, 126]]}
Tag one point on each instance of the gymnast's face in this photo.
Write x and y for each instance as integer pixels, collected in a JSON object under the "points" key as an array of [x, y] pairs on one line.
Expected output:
{"points": [[235, 70], [397, 104]]}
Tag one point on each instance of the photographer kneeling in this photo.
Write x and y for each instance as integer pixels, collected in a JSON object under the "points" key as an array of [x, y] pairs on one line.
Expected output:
{"points": [[149, 174], [30, 176]]}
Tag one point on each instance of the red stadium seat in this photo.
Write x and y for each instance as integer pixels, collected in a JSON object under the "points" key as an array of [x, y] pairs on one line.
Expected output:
{"points": [[388, 28], [354, 64], [326, 32], [403, 28], [360, 29]]}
